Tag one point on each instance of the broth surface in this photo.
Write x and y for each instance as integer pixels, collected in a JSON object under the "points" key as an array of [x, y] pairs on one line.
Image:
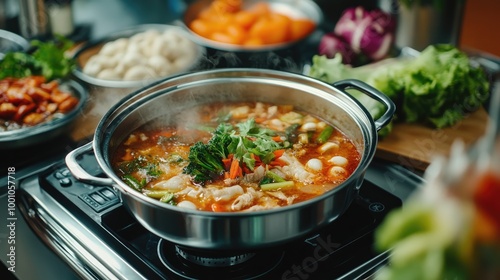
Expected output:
{"points": [[271, 156]]}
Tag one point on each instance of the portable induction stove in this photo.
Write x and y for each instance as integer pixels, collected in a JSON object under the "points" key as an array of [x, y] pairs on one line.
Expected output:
{"points": [[89, 228]]}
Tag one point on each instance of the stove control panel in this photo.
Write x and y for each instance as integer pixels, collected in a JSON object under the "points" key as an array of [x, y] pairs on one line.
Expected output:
{"points": [[99, 199], [92, 200]]}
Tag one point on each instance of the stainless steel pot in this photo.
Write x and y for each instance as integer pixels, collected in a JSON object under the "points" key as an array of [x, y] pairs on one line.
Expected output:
{"points": [[161, 102]]}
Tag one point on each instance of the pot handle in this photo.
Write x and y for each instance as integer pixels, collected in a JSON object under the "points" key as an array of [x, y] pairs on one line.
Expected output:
{"points": [[373, 93], [79, 173]]}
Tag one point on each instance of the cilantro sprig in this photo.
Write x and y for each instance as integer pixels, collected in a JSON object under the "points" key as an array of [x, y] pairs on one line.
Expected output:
{"points": [[253, 139]]}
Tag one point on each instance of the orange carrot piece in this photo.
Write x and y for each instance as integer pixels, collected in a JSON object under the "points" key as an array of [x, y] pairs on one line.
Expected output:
{"points": [[227, 163], [278, 153], [277, 138], [301, 28], [277, 163], [233, 171], [253, 42], [245, 19]]}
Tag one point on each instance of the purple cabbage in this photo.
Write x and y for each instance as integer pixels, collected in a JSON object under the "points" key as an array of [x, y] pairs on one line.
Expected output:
{"points": [[364, 33], [332, 44]]}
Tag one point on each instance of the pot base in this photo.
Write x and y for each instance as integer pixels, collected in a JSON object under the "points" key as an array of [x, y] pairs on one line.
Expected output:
{"points": [[189, 263]]}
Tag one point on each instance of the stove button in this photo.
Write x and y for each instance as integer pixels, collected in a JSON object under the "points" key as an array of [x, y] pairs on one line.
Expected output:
{"points": [[109, 194], [99, 199], [90, 201], [65, 182], [59, 175], [62, 173], [65, 172]]}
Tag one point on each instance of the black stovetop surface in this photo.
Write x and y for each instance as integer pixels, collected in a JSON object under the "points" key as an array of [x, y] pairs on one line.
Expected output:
{"points": [[334, 251]]}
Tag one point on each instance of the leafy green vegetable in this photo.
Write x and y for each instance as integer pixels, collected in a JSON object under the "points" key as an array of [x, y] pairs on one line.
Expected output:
{"points": [[133, 182], [333, 70], [436, 88], [48, 59], [274, 178], [244, 143], [423, 243], [220, 140], [203, 164], [253, 139], [168, 198]]}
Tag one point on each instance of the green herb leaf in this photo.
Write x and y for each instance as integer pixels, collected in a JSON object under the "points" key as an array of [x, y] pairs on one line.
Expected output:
{"points": [[48, 59]]}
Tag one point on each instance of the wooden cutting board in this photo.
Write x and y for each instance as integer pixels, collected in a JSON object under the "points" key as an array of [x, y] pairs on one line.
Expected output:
{"points": [[414, 146]]}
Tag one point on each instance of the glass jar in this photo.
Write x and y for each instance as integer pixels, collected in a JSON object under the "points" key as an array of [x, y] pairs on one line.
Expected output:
{"points": [[60, 14]]}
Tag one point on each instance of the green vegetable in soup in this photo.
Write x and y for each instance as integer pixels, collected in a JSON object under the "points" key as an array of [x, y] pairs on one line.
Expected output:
{"points": [[324, 135], [203, 164], [277, 186], [243, 143], [133, 182]]}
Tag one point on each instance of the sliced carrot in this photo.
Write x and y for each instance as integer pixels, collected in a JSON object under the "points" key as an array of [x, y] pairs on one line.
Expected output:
{"points": [[278, 153], [237, 33], [253, 42], [226, 21], [262, 29], [202, 27], [245, 19], [227, 163], [277, 163], [259, 119], [301, 28], [282, 26], [223, 38], [277, 138], [234, 169]]}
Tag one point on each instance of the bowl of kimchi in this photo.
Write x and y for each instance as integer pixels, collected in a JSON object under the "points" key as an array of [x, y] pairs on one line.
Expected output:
{"points": [[34, 110]]}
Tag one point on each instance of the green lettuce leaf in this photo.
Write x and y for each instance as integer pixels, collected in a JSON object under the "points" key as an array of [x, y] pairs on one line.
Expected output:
{"points": [[437, 88]]}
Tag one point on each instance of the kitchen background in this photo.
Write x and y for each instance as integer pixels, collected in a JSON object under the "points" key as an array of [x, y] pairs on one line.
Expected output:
{"points": [[476, 30], [475, 26]]}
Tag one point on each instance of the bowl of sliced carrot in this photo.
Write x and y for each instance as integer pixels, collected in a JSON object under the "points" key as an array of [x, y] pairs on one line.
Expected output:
{"points": [[251, 25]]}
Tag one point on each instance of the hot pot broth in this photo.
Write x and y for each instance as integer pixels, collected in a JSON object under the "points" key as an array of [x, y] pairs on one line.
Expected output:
{"points": [[237, 157]]}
